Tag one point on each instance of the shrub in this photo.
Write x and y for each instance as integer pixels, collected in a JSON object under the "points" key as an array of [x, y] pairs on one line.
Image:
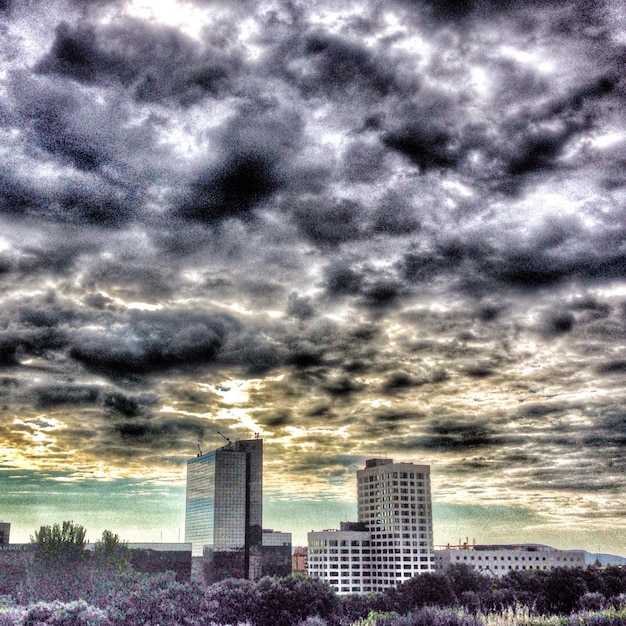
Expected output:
{"points": [[609, 617], [77, 613], [313, 620], [429, 616], [11, 616], [432, 589], [232, 600], [160, 600], [592, 601], [287, 601], [356, 606]]}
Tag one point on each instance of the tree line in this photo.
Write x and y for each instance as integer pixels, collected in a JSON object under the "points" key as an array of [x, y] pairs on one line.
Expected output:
{"points": [[103, 589]]}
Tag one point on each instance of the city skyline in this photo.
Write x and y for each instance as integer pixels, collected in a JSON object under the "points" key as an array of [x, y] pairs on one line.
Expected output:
{"points": [[359, 229]]}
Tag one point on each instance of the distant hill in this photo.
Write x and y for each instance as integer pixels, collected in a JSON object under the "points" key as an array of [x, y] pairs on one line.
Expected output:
{"points": [[605, 559]]}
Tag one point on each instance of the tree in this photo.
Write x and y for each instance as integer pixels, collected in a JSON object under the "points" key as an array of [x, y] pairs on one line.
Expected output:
{"points": [[464, 578], [290, 600], [562, 591], [58, 570], [233, 600], [431, 588], [62, 543], [159, 599], [110, 552]]}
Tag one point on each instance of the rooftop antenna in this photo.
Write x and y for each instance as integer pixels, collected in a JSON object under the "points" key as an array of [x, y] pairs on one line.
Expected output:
{"points": [[224, 436], [199, 450]]}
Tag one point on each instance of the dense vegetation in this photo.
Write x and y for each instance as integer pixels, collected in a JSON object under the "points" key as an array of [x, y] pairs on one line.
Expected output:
{"points": [[64, 586]]}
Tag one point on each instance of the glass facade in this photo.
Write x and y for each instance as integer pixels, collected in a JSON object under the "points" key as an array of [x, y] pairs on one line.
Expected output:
{"points": [[230, 501], [200, 502], [224, 502]]}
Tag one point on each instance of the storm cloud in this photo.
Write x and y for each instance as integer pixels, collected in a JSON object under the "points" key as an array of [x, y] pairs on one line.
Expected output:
{"points": [[354, 228]]}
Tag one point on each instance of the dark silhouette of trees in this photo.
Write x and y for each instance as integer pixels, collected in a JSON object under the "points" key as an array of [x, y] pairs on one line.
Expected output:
{"points": [[287, 601], [432, 588]]}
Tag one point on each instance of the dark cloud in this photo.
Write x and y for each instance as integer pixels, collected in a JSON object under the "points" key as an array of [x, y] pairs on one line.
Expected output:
{"points": [[363, 162], [159, 64], [145, 342], [333, 66], [341, 386], [328, 221], [612, 367], [426, 132], [62, 122], [255, 352], [163, 434], [300, 307], [398, 381], [126, 405], [277, 420], [51, 396], [396, 215], [253, 166], [341, 279], [362, 230]]}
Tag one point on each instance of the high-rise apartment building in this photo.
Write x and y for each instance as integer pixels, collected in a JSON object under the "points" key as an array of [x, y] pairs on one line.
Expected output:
{"points": [[394, 503], [223, 517], [393, 539]]}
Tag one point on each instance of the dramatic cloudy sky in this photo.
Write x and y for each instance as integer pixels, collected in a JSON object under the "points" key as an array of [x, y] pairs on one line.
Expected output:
{"points": [[384, 227]]}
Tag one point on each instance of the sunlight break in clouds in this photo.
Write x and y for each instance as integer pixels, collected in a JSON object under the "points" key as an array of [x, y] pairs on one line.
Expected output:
{"points": [[357, 230]]}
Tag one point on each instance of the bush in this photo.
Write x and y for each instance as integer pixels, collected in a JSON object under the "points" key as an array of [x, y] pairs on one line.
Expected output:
{"points": [[290, 600], [160, 600], [429, 616], [11, 616], [609, 617], [77, 613], [313, 621], [432, 589], [355, 607], [592, 601], [232, 600]]}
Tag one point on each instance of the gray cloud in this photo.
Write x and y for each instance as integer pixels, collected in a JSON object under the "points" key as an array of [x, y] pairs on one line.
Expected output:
{"points": [[350, 227]]}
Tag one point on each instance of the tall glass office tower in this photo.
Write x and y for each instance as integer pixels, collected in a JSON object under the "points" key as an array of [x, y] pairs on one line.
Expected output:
{"points": [[223, 517]]}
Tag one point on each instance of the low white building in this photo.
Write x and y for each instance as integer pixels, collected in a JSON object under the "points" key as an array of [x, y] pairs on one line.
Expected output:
{"points": [[342, 558], [498, 560]]}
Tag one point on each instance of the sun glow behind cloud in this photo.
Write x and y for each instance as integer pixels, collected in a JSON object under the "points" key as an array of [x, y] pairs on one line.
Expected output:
{"points": [[175, 13], [354, 230]]}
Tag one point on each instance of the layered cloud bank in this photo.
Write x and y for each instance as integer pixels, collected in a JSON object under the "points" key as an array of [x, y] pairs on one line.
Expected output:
{"points": [[355, 228]]}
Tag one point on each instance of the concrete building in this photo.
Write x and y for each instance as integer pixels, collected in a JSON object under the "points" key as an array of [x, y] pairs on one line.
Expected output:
{"points": [[342, 558], [275, 553], [394, 501], [498, 560], [5, 533], [393, 538], [223, 516]]}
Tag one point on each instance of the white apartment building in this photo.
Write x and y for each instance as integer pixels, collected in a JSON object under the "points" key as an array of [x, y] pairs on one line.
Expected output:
{"points": [[394, 503], [342, 558], [396, 540], [498, 560]]}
